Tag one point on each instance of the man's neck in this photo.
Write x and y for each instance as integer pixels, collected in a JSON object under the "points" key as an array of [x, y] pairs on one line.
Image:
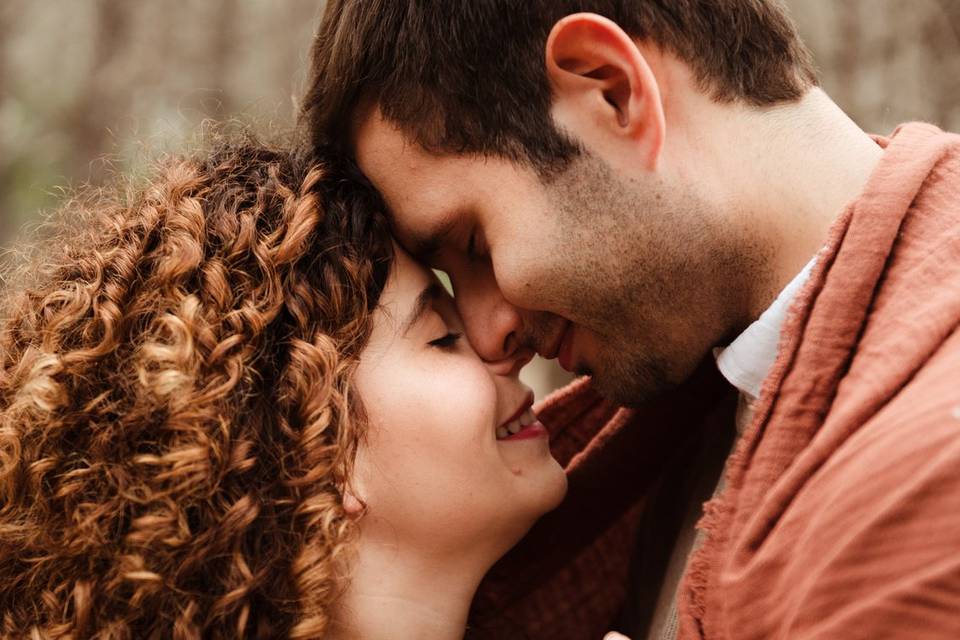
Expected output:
{"points": [[399, 593], [784, 174], [818, 164]]}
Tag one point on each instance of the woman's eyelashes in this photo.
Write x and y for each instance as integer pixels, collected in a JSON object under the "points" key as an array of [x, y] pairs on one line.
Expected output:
{"points": [[446, 342]]}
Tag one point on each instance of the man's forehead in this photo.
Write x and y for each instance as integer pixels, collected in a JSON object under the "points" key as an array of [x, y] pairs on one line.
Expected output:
{"points": [[382, 149], [421, 190], [402, 171]]}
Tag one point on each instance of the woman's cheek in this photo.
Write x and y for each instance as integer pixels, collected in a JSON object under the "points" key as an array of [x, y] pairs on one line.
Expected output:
{"points": [[434, 459], [446, 405], [460, 390]]}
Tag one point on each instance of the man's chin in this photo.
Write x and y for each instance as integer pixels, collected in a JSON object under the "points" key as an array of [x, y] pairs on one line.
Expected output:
{"points": [[630, 386]]}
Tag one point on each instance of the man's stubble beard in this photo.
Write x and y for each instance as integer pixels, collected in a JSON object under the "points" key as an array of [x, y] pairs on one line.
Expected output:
{"points": [[639, 266]]}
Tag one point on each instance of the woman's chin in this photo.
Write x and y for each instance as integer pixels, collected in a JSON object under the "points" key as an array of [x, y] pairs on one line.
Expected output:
{"points": [[549, 496], [557, 490], [549, 491]]}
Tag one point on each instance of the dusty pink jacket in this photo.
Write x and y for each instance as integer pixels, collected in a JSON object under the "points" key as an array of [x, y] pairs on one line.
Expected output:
{"points": [[841, 513]]}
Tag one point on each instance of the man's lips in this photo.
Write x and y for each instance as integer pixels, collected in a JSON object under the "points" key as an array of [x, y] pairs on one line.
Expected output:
{"points": [[554, 350], [565, 353]]}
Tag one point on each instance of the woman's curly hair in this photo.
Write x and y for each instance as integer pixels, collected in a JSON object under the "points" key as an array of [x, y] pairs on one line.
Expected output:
{"points": [[176, 417]]}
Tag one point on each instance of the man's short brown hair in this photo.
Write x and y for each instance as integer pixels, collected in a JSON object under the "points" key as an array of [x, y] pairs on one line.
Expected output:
{"points": [[468, 76]]}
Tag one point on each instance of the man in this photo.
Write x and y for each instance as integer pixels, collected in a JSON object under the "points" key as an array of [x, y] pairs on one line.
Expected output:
{"points": [[633, 185]]}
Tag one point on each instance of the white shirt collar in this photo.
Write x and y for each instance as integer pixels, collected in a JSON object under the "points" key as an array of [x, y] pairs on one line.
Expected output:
{"points": [[747, 360]]}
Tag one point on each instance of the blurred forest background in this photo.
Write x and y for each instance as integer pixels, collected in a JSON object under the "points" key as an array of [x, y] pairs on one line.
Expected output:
{"points": [[83, 80]]}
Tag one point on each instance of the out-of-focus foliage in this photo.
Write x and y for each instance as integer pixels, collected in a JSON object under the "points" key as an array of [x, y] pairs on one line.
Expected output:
{"points": [[86, 79], [887, 61], [85, 84], [82, 80]]}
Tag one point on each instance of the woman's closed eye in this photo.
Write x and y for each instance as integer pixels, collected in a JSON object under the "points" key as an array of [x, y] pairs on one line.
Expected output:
{"points": [[446, 342]]}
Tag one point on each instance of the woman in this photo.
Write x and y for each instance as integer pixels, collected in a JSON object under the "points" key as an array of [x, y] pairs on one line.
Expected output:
{"points": [[230, 407]]}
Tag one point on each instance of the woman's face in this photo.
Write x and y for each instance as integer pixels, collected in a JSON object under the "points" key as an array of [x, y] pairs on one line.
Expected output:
{"points": [[435, 468]]}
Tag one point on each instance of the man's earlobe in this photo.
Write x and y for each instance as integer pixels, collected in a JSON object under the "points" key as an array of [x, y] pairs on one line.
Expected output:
{"points": [[595, 68]]}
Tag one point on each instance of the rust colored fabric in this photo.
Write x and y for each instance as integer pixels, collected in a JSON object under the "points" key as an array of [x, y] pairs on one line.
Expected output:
{"points": [[841, 513]]}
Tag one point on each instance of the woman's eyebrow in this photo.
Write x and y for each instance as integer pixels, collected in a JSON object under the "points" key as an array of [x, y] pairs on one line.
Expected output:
{"points": [[430, 293]]}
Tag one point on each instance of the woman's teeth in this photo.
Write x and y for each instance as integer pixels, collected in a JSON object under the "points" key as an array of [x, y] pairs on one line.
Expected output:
{"points": [[514, 427]]}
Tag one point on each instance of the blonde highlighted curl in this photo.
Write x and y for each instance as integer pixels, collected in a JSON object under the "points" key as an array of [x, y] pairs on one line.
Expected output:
{"points": [[176, 415]]}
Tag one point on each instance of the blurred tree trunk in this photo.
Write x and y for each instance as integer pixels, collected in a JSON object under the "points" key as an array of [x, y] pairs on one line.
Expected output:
{"points": [[951, 8], [6, 177], [292, 57], [99, 106], [943, 39], [848, 62], [221, 57]]}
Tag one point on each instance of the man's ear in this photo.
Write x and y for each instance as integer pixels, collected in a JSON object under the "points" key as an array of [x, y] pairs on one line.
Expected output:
{"points": [[602, 84]]}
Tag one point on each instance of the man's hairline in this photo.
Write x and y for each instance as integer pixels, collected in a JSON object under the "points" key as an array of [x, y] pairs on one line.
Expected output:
{"points": [[367, 106]]}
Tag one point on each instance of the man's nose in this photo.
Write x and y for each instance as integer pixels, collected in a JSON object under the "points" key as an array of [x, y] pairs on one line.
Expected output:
{"points": [[493, 324]]}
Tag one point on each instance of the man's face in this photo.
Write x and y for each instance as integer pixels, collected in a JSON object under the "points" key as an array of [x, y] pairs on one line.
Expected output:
{"points": [[612, 274]]}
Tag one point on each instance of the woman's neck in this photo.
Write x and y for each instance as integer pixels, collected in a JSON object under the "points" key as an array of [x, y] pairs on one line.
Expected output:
{"points": [[395, 592]]}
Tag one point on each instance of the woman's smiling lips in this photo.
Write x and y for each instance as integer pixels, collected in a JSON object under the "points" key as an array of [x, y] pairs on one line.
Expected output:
{"points": [[533, 430], [522, 425]]}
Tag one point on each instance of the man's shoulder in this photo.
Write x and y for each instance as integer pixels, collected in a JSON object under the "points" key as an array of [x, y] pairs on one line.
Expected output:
{"points": [[866, 545], [904, 457], [924, 152]]}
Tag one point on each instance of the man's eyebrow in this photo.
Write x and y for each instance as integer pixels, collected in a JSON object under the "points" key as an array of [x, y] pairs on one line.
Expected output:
{"points": [[430, 293], [424, 249]]}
